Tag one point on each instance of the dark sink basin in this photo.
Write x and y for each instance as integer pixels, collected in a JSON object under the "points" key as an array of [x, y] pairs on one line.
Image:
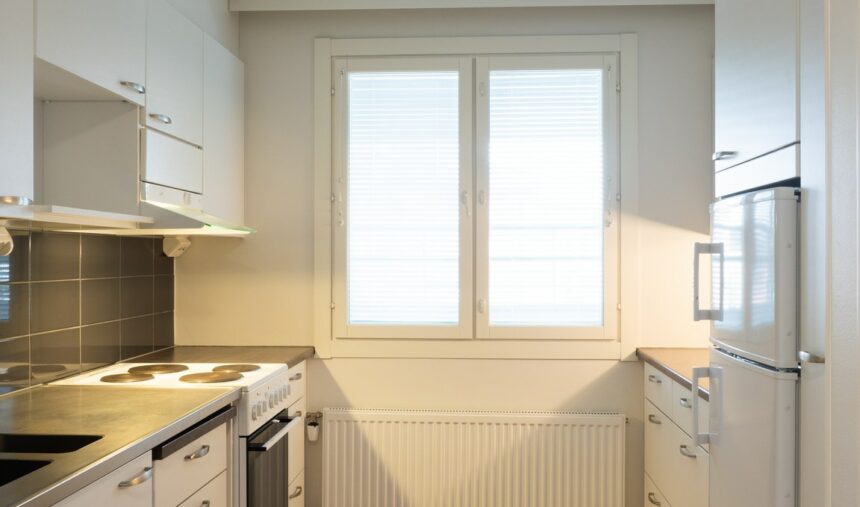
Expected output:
{"points": [[12, 442], [11, 469]]}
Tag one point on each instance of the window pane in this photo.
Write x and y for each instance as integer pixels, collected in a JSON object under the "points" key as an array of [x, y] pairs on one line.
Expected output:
{"points": [[403, 207], [546, 198]]}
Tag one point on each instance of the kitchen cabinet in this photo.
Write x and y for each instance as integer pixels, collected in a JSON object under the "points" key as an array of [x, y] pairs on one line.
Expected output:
{"points": [[223, 133], [16, 98], [130, 486], [296, 497], [174, 73], [755, 93], [171, 163], [100, 41], [653, 496], [213, 494], [192, 467]]}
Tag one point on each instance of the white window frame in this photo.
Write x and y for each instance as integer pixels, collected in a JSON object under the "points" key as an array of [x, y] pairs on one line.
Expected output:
{"points": [[620, 334]]}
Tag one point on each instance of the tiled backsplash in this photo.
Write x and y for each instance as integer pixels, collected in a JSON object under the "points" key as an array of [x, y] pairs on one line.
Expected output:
{"points": [[73, 302]]}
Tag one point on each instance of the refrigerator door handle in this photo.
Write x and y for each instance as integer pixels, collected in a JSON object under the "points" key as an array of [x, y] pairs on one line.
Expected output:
{"points": [[698, 373], [698, 312]]}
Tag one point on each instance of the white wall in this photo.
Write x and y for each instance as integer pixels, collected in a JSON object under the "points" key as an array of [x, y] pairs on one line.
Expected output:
{"points": [[259, 290], [214, 18]]}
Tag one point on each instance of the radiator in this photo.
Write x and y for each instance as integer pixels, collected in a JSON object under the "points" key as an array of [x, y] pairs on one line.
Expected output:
{"points": [[417, 458]]}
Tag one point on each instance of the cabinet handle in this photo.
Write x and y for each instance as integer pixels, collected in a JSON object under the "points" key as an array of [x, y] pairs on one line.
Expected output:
{"points": [[205, 503], [295, 494], [723, 155], [199, 453], [139, 88], [684, 402], [808, 357], [654, 379], [686, 451], [140, 479], [653, 419], [163, 118], [653, 499], [297, 376]]}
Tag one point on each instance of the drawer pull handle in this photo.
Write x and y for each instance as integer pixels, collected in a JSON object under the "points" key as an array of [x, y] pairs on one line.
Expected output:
{"points": [[297, 493], [297, 376], [653, 419], [205, 503], [163, 118], [653, 499], [684, 402], [199, 453], [723, 155], [139, 88], [686, 452], [654, 379], [140, 479]]}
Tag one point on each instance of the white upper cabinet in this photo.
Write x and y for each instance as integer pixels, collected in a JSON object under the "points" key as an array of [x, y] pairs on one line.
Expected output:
{"points": [[756, 90], [223, 133], [174, 73], [100, 41]]}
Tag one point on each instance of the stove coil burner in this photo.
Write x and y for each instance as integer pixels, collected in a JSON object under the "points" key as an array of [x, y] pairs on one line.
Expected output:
{"points": [[126, 378], [158, 368], [211, 377], [238, 368]]}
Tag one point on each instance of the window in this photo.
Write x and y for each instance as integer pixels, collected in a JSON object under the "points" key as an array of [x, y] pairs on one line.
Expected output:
{"points": [[474, 197]]}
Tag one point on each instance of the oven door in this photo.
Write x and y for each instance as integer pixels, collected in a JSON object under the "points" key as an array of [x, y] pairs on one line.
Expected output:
{"points": [[266, 459]]}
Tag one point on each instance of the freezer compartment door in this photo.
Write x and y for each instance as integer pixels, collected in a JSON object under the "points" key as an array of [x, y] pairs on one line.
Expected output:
{"points": [[753, 414], [755, 276]]}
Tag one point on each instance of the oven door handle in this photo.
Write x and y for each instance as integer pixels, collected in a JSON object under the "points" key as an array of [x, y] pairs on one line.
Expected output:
{"points": [[268, 444]]}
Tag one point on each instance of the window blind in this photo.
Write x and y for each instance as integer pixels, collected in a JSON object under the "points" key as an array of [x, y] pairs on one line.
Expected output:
{"points": [[546, 197], [403, 252]]}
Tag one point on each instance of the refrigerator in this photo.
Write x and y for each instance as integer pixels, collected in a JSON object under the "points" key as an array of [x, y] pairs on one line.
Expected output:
{"points": [[753, 367]]}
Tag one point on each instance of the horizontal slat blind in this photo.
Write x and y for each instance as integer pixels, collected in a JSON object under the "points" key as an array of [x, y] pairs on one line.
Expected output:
{"points": [[546, 197], [403, 198]]}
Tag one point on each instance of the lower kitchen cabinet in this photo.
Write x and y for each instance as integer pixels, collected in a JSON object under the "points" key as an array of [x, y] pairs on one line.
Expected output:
{"points": [[213, 494], [653, 496], [129, 485], [187, 470], [296, 497]]}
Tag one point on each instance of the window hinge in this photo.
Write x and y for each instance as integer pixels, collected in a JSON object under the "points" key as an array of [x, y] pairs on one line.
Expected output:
{"points": [[332, 198], [618, 196], [331, 306], [618, 87], [332, 91], [618, 307]]}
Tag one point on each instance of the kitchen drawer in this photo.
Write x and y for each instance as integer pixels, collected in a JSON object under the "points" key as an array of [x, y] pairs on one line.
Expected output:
{"points": [[298, 378], [685, 481], [682, 410], [296, 449], [653, 496], [188, 469], [657, 439], [213, 494], [296, 497], [172, 163], [108, 491], [658, 388]]}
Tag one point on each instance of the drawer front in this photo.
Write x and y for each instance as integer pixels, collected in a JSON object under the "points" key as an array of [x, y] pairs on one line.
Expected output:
{"points": [[213, 494], [298, 379], [657, 440], [658, 388], [190, 468], [653, 496], [686, 483], [172, 163], [296, 459], [682, 410], [107, 490], [296, 497]]}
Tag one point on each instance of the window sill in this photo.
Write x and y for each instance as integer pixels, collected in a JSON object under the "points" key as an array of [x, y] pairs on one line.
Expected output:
{"points": [[477, 349]]}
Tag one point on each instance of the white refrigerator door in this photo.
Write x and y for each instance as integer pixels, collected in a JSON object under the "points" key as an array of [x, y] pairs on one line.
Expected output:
{"points": [[752, 434], [755, 276]]}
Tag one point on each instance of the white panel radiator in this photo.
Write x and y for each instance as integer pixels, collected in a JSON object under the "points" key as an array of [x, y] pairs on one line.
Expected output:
{"points": [[417, 458]]}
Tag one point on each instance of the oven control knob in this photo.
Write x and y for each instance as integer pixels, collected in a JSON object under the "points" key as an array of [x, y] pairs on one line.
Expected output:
{"points": [[254, 413], [263, 407]]}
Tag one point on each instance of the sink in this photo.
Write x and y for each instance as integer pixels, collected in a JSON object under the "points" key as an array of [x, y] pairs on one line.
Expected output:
{"points": [[11, 469], [16, 442]]}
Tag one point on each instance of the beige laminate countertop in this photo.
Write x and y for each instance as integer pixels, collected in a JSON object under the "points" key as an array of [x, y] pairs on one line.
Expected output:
{"points": [[205, 354], [131, 421], [678, 364]]}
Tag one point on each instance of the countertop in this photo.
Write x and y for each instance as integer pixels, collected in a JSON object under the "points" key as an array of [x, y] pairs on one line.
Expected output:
{"points": [[678, 364], [132, 420], [204, 354]]}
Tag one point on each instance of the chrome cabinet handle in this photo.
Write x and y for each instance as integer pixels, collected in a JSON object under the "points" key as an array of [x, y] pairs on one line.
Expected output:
{"points": [[653, 419], [684, 402], [205, 503], [723, 155], [199, 453], [654, 379], [686, 451], [140, 479], [163, 118], [297, 376], [808, 357], [653, 499], [139, 88], [295, 494]]}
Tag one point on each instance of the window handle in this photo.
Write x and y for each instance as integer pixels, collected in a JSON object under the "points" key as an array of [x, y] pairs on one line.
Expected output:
{"points": [[466, 200], [482, 306]]}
